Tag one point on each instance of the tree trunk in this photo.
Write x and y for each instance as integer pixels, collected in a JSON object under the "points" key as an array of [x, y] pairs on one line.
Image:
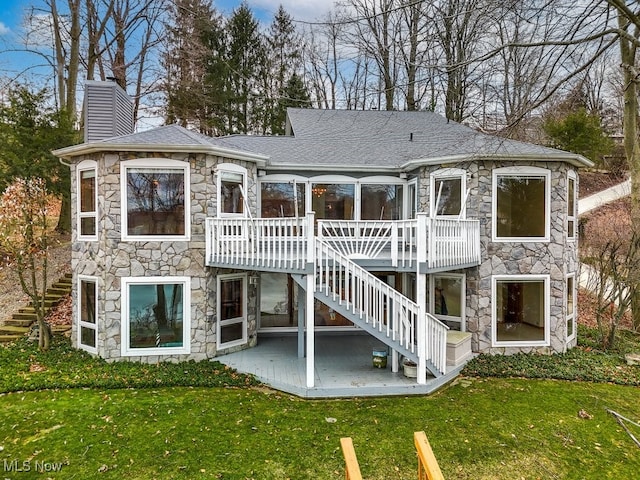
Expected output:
{"points": [[64, 220], [631, 146]]}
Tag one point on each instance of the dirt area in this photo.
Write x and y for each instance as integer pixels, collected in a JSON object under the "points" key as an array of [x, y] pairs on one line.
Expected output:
{"points": [[11, 296]]}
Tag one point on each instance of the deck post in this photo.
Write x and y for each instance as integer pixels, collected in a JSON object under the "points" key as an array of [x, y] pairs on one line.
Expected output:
{"points": [[301, 307], [310, 330], [421, 296]]}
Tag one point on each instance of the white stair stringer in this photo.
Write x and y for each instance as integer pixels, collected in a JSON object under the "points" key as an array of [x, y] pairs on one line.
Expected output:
{"points": [[376, 307]]}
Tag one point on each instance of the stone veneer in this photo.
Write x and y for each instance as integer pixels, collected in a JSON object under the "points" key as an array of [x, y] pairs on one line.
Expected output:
{"points": [[110, 259], [557, 258]]}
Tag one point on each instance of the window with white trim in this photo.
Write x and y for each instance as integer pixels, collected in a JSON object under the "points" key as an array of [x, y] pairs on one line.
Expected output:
{"points": [[571, 307], [448, 192], [521, 204], [88, 313], [155, 201], [447, 298], [520, 316], [232, 187], [156, 315], [572, 205], [87, 200], [232, 310]]}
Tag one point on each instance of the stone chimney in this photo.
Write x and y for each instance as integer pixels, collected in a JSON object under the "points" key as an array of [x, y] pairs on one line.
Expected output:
{"points": [[108, 111]]}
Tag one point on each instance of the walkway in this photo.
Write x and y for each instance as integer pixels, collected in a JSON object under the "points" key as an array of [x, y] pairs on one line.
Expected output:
{"points": [[611, 194]]}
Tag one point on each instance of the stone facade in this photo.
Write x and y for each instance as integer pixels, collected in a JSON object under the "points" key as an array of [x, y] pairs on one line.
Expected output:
{"points": [[110, 259], [556, 258]]}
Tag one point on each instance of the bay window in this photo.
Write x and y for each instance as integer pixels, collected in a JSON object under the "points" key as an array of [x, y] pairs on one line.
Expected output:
{"points": [[87, 313], [87, 201]]}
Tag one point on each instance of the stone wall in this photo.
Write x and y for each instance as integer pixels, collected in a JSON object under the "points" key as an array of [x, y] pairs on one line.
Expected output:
{"points": [[557, 258], [110, 259]]}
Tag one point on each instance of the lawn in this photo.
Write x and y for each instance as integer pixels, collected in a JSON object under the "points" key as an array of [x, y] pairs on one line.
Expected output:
{"points": [[134, 421]]}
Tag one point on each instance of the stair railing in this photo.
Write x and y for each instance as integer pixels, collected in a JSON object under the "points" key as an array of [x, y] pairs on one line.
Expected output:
{"points": [[377, 304]]}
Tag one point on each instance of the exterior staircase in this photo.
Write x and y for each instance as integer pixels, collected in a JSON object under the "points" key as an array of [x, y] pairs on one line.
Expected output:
{"points": [[377, 308], [21, 321]]}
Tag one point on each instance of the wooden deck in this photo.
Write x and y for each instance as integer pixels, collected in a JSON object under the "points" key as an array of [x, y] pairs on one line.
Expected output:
{"points": [[343, 367]]}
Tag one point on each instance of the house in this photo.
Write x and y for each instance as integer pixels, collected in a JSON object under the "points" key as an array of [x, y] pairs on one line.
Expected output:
{"points": [[399, 226]]}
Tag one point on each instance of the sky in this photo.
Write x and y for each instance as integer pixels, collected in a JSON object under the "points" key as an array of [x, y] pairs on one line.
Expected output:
{"points": [[13, 11]]}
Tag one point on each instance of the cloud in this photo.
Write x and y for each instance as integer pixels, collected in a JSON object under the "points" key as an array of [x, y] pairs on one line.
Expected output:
{"points": [[4, 30], [307, 10]]}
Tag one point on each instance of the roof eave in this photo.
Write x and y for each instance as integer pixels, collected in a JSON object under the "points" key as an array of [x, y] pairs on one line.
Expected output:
{"points": [[88, 148], [572, 158], [332, 168]]}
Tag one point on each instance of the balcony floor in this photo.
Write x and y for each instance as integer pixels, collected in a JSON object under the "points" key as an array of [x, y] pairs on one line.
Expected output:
{"points": [[343, 367]]}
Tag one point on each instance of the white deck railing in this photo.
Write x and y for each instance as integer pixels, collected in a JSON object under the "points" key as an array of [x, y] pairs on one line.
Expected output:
{"points": [[281, 243]]}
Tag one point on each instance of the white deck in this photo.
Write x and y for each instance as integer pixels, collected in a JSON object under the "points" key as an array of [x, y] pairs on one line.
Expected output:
{"points": [[343, 368]]}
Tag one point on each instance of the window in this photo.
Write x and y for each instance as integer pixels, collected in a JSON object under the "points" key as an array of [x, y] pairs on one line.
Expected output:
{"points": [[232, 185], [571, 307], [156, 199], [278, 300], [87, 200], [521, 204], [282, 199], [333, 201], [448, 299], [380, 202], [232, 310], [155, 315], [87, 313], [572, 204], [412, 199], [520, 315], [448, 192]]}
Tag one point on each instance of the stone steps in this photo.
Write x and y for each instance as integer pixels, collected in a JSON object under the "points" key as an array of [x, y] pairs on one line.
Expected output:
{"points": [[21, 321]]}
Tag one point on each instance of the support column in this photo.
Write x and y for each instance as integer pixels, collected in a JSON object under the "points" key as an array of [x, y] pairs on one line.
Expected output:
{"points": [[310, 331], [421, 333], [301, 315]]}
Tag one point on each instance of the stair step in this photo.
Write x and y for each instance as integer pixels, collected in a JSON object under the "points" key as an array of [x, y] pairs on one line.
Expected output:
{"points": [[61, 292], [11, 330], [18, 323], [23, 316]]}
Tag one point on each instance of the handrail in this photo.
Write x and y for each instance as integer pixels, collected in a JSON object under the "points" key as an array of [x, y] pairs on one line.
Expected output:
{"points": [[376, 303], [428, 468], [352, 468]]}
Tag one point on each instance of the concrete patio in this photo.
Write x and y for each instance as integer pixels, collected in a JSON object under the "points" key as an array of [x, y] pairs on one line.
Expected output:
{"points": [[343, 367]]}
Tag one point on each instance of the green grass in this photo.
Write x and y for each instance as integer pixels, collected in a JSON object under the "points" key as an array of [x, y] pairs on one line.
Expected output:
{"points": [[136, 421]]}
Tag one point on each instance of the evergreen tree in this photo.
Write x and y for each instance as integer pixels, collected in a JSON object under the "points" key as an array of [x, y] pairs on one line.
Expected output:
{"points": [[284, 62], [192, 42], [246, 57]]}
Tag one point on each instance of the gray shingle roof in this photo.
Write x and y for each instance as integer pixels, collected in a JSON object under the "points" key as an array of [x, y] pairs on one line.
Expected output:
{"points": [[344, 139], [384, 139]]}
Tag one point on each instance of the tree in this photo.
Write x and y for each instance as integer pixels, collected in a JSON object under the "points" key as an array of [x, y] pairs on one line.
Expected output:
{"points": [[24, 237], [579, 132], [246, 56], [29, 129]]}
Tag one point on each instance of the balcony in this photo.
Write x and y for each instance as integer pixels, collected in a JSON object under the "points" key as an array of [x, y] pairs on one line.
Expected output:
{"points": [[423, 244]]}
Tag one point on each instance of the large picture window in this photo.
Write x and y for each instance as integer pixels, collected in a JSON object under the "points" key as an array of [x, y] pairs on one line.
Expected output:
{"points": [[155, 315], [333, 201], [521, 204], [87, 201], [380, 202], [282, 199], [232, 310], [520, 312], [156, 199], [87, 313]]}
